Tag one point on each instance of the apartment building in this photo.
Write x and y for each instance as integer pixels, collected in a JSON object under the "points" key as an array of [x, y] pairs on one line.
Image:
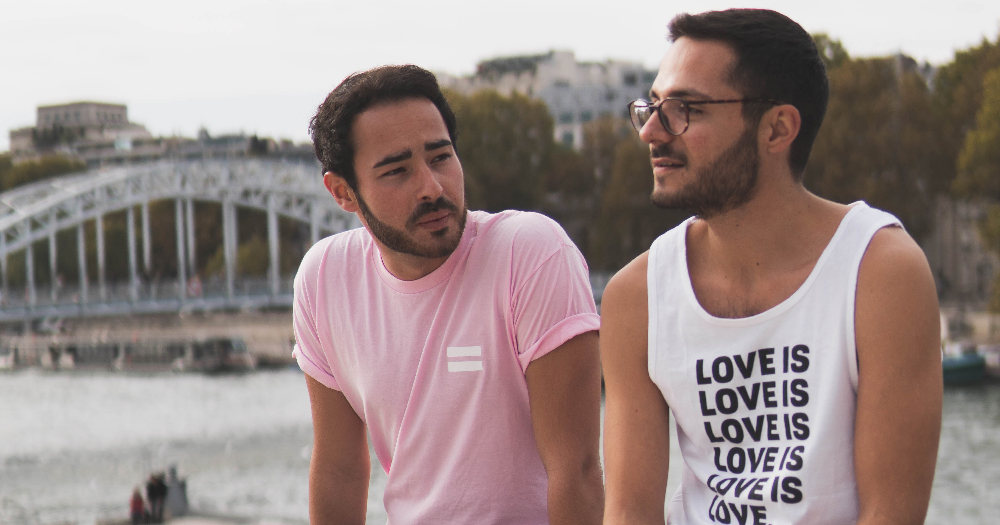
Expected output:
{"points": [[575, 92]]}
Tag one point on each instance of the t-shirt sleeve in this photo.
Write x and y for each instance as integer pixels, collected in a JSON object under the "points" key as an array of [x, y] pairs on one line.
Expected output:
{"points": [[554, 304], [308, 350]]}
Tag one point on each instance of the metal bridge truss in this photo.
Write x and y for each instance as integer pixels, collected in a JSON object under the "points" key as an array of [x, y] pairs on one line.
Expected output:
{"points": [[38, 211]]}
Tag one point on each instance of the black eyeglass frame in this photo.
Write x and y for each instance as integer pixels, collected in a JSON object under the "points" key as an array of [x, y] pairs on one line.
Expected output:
{"points": [[686, 104]]}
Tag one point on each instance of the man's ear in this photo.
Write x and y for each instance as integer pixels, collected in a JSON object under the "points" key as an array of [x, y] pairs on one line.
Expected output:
{"points": [[781, 124], [341, 191]]}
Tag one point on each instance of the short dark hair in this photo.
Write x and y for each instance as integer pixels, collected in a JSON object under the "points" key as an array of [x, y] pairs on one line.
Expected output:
{"points": [[775, 58], [331, 126]]}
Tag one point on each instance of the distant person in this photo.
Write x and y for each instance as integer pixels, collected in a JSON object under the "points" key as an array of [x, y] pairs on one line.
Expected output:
{"points": [[156, 493], [464, 343], [137, 507], [175, 501], [794, 339]]}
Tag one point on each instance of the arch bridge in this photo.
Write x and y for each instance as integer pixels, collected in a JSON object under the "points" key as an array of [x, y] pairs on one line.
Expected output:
{"points": [[34, 214]]}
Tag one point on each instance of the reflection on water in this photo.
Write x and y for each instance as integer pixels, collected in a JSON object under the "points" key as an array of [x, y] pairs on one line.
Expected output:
{"points": [[967, 480], [73, 446]]}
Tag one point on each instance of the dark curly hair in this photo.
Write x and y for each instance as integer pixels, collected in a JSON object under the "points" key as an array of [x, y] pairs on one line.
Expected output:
{"points": [[331, 126], [775, 58]]}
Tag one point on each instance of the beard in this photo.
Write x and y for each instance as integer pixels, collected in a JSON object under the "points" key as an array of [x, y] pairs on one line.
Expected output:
{"points": [[726, 184], [400, 241]]}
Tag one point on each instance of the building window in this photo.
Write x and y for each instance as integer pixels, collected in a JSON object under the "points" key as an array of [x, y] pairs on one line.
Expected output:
{"points": [[630, 79], [566, 118], [586, 116], [567, 139]]}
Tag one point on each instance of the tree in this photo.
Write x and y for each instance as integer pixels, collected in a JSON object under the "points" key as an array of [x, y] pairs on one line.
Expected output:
{"points": [[14, 175], [830, 50], [979, 168], [877, 142], [958, 96], [979, 158], [627, 223], [506, 148]]}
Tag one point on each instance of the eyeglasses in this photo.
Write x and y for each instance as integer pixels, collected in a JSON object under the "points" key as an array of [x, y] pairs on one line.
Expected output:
{"points": [[675, 114]]}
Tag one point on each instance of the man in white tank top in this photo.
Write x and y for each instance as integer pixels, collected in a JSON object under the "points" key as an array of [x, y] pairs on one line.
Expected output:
{"points": [[794, 339]]}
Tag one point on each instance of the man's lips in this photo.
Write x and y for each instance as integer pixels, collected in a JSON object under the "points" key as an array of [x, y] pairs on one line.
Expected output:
{"points": [[434, 219], [666, 163]]}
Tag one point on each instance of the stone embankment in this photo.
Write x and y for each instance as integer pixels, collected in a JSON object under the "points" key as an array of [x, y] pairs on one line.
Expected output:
{"points": [[149, 342]]}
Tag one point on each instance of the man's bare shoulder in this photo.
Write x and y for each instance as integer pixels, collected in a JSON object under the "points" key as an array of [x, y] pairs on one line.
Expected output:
{"points": [[893, 256], [627, 288], [896, 299]]}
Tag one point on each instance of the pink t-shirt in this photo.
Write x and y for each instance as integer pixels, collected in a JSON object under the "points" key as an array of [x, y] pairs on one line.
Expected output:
{"points": [[435, 367]]}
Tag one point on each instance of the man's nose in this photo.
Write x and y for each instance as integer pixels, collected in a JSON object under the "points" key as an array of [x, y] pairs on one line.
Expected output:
{"points": [[653, 131], [430, 186]]}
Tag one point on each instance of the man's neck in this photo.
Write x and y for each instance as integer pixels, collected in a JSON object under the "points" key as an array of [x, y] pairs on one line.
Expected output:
{"points": [[749, 259], [774, 226], [406, 267]]}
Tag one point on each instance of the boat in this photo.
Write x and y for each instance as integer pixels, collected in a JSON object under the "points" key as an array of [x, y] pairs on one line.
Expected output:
{"points": [[967, 368]]}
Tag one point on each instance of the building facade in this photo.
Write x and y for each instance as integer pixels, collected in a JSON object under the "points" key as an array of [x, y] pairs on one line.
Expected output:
{"points": [[575, 92], [99, 134], [93, 132]]}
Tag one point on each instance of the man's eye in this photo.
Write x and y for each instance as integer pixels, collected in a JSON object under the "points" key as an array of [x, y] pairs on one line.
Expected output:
{"points": [[441, 157], [398, 171]]}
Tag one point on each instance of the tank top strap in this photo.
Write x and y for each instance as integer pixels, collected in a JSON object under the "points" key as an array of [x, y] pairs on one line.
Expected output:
{"points": [[858, 232]]}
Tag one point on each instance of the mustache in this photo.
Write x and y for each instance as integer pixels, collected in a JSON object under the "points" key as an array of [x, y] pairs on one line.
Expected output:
{"points": [[425, 208], [660, 151]]}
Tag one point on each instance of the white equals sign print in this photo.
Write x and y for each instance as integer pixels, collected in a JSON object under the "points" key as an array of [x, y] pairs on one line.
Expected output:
{"points": [[464, 365]]}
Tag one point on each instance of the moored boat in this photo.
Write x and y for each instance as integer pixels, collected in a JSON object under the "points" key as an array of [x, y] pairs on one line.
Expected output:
{"points": [[964, 369]]}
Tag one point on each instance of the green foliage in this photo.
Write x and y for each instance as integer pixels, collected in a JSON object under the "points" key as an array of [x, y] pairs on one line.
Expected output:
{"points": [[251, 259], [12, 176], [979, 159], [830, 50], [878, 139], [958, 95], [44, 139], [989, 232], [627, 222], [506, 147]]}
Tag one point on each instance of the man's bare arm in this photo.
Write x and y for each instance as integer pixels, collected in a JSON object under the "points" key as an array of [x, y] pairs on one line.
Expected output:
{"points": [[340, 467], [564, 391], [898, 420], [636, 431]]}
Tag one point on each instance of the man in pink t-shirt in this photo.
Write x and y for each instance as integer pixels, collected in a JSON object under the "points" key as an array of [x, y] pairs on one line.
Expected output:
{"points": [[464, 343]]}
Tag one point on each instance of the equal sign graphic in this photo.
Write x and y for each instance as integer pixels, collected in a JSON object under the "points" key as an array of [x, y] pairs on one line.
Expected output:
{"points": [[464, 365]]}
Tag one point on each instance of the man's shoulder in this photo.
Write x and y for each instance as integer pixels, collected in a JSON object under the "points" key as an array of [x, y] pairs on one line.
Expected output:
{"points": [[893, 254], [336, 249], [628, 285], [511, 224], [527, 234]]}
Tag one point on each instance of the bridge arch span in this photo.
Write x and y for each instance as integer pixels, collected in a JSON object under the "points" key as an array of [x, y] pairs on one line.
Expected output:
{"points": [[38, 211]]}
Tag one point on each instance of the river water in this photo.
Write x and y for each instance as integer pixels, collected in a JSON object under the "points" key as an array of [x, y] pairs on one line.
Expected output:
{"points": [[74, 445]]}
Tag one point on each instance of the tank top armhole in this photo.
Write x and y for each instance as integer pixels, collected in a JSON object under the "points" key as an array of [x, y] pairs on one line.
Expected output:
{"points": [[879, 220], [651, 312]]}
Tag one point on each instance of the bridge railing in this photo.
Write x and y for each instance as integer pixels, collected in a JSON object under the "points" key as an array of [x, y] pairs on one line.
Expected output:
{"points": [[154, 295], [162, 295]]}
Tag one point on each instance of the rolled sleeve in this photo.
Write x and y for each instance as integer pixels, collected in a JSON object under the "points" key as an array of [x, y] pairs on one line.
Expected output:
{"points": [[553, 305], [308, 351]]}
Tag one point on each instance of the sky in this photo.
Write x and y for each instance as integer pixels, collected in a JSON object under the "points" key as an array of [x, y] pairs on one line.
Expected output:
{"points": [[262, 67]]}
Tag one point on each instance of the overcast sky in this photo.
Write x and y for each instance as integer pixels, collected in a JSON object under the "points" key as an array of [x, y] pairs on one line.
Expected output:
{"points": [[262, 66]]}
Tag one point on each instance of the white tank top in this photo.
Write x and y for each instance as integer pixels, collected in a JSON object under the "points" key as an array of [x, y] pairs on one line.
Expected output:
{"points": [[764, 405]]}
